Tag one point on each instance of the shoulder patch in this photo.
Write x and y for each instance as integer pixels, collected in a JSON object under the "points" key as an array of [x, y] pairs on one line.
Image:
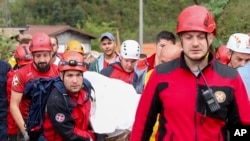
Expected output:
{"points": [[15, 81], [60, 117]]}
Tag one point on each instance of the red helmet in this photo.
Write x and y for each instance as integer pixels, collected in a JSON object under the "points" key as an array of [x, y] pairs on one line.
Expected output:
{"points": [[40, 42], [222, 54], [196, 18], [72, 60], [23, 55]]}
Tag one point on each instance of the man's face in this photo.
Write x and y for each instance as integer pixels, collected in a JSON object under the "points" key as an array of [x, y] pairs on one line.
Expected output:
{"points": [[161, 44], [72, 80], [169, 53], [54, 45], [107, 46], [128, 64], [41, 60], [238, 59], [195, 45]]}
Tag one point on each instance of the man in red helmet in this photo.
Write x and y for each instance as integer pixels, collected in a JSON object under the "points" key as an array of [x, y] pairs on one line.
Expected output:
{"points": [[23, 57], [196, 96], [41, 49], [67, 116]]}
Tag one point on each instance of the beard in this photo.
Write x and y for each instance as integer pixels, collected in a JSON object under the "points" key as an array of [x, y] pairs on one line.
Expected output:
{"points": [[42, 66]]}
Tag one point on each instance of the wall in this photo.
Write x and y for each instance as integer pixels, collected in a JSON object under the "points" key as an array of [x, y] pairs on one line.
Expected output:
{"points": [[64, 37]]}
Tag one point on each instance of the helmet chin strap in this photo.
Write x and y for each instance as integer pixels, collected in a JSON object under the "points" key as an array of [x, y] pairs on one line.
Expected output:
{"points": [[230, 59]]}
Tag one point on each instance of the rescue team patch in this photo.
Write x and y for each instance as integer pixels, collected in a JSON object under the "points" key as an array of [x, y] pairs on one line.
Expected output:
{"points": [[60, 117], [220, 96], [15, 81]]}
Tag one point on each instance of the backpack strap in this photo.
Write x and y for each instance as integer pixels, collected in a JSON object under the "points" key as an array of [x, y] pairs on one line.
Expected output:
{"points": [[66, 97]]}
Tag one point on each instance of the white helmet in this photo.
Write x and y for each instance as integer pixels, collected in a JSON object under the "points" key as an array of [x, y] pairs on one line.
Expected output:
{"points": [[130, 49], [239, 42]]}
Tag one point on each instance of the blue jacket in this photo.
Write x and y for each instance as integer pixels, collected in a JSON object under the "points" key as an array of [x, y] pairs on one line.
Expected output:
{"points": [[4, 69]]}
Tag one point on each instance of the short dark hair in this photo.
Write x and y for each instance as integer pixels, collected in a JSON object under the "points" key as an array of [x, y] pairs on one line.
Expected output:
{"points": [[167, 35], [54, 38]]}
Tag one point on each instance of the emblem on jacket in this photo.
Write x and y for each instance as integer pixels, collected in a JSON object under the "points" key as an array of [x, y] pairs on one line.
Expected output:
{"points": [[60, 117], [15, 81], [220, 96]]}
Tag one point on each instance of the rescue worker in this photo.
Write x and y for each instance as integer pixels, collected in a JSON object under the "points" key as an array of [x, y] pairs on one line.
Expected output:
{"points": [[67, 116], [196, 96], [222, 54], [41, 49], [4, 69], [55, 57], [163, 39], [23, 57], [126, 69], [107, 45], [75, 45], [239, 47], [168, 53]]}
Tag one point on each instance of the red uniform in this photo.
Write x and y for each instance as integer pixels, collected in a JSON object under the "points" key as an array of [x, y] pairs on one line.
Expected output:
{"points": [[116, 71], [23, 75], [12, 126], [174, 92], [151, 61], [67, 117]]}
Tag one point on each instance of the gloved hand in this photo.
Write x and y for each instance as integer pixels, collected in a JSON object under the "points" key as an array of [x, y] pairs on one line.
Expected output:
{"points": [[26, 136]]}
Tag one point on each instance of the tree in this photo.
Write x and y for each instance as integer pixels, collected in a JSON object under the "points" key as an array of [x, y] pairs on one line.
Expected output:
{"points": [[97, 29], [7, 46]]}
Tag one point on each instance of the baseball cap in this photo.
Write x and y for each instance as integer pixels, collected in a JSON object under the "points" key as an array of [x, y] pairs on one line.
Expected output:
{"points": [[107, 35]]}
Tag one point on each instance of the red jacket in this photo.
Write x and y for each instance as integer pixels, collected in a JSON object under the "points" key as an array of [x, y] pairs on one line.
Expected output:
{"points": [[176, 93], [116, 71], [12, 126], [23, 75], [151, 62], [67, 117]]}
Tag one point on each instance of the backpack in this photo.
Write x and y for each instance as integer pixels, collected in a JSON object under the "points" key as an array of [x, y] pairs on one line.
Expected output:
{"points": [[38, 91]]}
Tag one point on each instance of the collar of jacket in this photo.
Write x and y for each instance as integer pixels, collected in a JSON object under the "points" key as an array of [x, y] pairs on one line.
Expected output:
{"points": [[183, 63]]}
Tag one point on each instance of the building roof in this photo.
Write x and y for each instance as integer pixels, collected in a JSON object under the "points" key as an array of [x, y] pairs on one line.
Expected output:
{"points": [[53, 30]]}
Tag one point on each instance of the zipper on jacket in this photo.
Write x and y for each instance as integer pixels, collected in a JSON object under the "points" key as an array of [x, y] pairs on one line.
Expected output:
{"points": [[172, 137], [195, 119]]}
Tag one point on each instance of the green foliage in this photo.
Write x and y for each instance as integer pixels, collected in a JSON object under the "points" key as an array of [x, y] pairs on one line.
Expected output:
{"points": [[234, 19], [7, 46], [97, 29], [217, 8], [98, 16]]}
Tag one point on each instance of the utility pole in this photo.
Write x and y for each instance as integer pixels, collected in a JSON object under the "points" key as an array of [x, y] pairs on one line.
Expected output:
{"points": [[6, 13], [118, 44], [141, 23]]}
